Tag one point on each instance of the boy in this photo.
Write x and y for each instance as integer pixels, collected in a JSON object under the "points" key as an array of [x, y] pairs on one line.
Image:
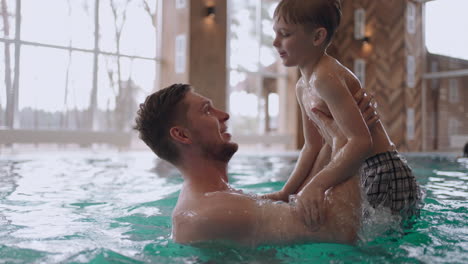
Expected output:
{"points": [[304, 30]]}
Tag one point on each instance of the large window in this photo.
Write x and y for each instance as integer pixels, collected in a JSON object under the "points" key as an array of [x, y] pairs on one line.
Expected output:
{"points": [[76, 64], [256, 75], [447, 74]]}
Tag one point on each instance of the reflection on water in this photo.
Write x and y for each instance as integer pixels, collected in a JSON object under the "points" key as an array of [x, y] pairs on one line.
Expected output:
{"points": [[67, 203], [82, 207]]}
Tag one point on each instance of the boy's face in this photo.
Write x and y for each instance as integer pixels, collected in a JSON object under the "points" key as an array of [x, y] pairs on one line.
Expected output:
{"points": [[294, 45]]}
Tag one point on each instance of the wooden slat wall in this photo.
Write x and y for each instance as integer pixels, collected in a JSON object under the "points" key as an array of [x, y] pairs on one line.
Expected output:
{"points": [[385, 58], [414, 46]]}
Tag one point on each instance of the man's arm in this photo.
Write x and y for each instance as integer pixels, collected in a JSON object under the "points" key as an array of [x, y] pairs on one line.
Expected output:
{"points": [[240, 218], [245, 220]]}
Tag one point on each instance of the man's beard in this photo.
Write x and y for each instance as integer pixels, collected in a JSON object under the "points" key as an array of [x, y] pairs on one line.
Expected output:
{"points": [[223, 152]]}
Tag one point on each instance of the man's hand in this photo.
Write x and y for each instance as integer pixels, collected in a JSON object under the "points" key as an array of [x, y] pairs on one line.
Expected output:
{"points": [[366, 105], [276, 196], [368, 108], [312, 206]]}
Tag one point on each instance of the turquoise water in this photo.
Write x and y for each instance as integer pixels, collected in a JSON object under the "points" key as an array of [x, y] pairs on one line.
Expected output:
{"points": [[88, 207]]}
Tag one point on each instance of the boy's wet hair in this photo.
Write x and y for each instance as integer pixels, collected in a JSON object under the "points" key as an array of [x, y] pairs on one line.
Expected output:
{"points": [[155, 117], [311, 14]]}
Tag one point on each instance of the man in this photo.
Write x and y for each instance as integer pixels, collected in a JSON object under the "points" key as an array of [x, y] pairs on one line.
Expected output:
{"points": [[184, 128]]}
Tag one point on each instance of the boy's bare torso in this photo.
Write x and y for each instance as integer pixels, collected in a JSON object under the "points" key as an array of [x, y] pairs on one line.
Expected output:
{"points": [[308, 98]]}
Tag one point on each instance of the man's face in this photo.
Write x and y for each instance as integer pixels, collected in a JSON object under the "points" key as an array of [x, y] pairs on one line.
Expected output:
{"points": [[207, 127]]}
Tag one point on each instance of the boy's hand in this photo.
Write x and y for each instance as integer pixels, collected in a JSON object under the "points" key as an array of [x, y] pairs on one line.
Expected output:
{"points": [[312, 206]]}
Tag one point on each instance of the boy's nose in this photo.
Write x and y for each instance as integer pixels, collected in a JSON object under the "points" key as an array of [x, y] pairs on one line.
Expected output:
{"points": [[275, 42]]}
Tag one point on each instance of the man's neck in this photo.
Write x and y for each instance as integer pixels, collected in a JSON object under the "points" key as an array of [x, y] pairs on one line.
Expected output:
{"points": [[204, 176]]}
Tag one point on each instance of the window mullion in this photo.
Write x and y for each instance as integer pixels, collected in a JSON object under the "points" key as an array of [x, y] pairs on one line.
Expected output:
{"points": [[93, 99], [15, 113]]}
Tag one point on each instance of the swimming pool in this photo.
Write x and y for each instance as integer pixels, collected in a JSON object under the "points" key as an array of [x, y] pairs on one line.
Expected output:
{"points": [[95, 207]]}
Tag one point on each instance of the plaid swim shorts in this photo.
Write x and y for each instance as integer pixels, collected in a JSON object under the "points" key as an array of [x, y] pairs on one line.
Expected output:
{"points": [[388, 181]]}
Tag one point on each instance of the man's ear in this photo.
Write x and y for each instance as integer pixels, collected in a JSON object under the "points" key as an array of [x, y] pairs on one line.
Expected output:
{"points": [[320, 35], [180, 134]]}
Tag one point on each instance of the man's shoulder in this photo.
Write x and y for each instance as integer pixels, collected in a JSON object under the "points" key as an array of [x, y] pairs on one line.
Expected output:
{"points": [[214, 202], [216, 215]]}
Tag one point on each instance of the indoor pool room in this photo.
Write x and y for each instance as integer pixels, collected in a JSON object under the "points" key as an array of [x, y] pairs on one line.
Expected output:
{"points": [[233, 131]]}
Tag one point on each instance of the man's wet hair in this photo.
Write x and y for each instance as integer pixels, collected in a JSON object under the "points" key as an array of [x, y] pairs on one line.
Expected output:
{"points": [[160, 111]]}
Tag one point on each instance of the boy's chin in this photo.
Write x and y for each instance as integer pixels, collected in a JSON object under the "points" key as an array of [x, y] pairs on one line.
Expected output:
{"points": [[287, 63]]}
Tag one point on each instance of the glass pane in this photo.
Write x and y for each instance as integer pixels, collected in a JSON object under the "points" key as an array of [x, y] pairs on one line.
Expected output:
{"points": [[143, 74], [139, 72], [79, 74], [273, 111], [7, 21], [79, 78], [137, 78], [244, 36], [128, 26], [42, 92], [269, 58], [271, 99], [139, 33], [107, 82], [37, 80], [59, 22], [109, 22], [244, 103]]}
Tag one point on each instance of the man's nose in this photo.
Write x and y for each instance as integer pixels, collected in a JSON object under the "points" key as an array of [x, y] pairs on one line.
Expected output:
{"points": [[223, 116]]}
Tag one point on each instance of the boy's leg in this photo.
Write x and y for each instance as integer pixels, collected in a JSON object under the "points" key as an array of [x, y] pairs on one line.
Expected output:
{"points": [[323, 158]]}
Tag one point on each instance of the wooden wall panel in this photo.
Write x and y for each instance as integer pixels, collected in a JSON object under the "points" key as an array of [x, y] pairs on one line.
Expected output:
{"points": [[385, 57], [205, 53], [414, 46]]}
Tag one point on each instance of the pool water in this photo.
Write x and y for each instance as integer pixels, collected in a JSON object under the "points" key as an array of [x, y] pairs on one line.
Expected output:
{"points": [[94, 207]]}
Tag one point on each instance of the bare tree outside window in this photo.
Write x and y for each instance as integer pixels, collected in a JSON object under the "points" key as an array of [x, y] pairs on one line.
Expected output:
{"points": [[78, 65]]}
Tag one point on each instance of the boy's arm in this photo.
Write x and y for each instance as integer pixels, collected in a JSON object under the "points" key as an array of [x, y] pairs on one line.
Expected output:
{"points": [[313, 143], [357, 142], [299, 178], [368, 110]]}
